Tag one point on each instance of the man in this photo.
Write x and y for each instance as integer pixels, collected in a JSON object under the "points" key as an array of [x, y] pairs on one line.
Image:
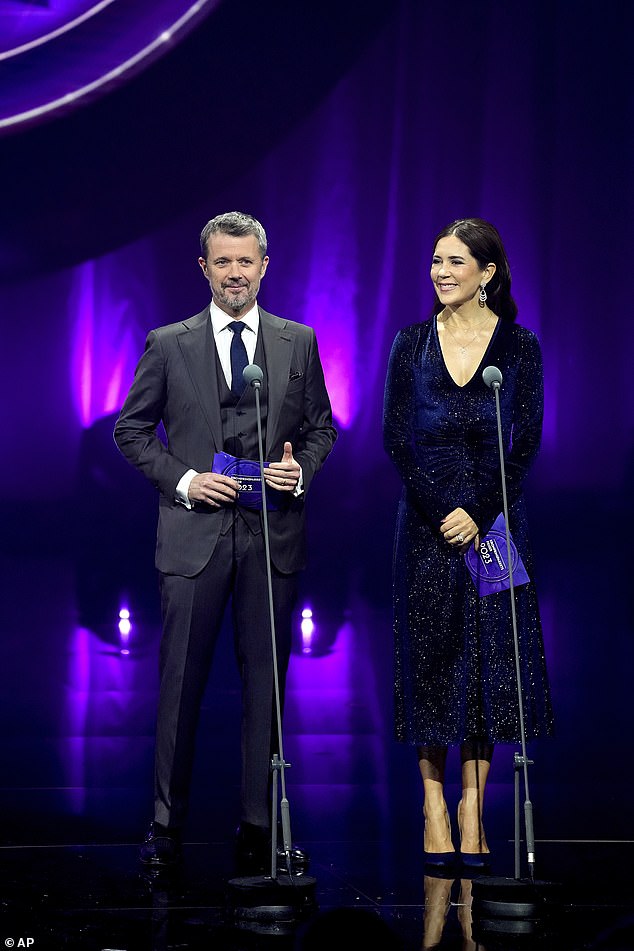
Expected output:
{"points": [[210, 544]]}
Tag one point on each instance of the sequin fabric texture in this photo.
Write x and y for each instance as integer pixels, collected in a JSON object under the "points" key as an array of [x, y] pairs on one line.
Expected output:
{"points": [[454, 661]]}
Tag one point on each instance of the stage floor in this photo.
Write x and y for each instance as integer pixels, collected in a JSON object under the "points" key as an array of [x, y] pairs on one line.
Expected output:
{"points": [[98, 897], [76, 731]]}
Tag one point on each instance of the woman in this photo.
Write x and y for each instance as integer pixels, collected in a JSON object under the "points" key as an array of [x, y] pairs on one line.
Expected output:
{"points": [[455, 674]]}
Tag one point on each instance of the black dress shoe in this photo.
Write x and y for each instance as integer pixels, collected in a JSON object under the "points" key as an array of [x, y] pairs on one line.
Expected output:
{"points": [[161, 847], [253, 853]]}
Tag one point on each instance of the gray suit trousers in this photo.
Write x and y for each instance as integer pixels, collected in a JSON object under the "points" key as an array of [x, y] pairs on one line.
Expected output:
{"points": [[193, 611]]}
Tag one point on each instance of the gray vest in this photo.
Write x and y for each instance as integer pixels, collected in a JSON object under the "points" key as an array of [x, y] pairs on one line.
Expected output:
{"points": [[240, 428]]}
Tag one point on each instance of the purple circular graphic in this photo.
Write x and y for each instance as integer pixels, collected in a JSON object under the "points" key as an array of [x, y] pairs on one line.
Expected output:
{"points": [[489, 564], [59, 55], [491, 559]]}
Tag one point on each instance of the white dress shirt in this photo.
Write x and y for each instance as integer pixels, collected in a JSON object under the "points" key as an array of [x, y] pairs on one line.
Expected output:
{"points": [[223, 336]]}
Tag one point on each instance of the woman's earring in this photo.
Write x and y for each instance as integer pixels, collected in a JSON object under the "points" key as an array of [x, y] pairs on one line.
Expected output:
{"points": [[482, 296]]}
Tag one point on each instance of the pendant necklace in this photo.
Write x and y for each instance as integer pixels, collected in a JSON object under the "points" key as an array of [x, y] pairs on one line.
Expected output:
{"points": [[463, 347]]}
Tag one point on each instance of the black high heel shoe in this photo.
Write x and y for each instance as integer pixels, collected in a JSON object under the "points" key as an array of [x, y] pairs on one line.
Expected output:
{"points": [[472, 860], [440, 859], [476, 860]]}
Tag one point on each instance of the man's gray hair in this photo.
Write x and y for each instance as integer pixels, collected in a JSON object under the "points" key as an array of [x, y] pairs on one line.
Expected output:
{"points": [[234, 223]]}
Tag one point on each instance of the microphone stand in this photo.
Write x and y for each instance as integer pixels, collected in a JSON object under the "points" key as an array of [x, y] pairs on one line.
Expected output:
{"points": [[278, 764], [520, 762], [514, 905], [261, 897]]}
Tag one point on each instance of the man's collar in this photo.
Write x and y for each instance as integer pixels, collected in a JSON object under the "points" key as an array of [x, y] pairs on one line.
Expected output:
{"points": [[220, 320]]}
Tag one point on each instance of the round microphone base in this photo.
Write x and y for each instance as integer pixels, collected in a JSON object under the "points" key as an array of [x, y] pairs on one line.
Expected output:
{"points": [[266, 905], [514, 905]]}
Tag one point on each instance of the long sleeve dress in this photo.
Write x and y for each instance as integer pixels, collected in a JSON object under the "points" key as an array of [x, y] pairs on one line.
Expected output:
{"points": [[454, 659]]}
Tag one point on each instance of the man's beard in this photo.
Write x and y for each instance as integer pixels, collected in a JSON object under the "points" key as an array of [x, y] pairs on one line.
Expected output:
{"points": [[238, 303]]}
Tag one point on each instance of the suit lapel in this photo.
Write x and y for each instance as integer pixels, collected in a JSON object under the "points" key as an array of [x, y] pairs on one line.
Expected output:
{"points": [[199, 353], [278, 349]]}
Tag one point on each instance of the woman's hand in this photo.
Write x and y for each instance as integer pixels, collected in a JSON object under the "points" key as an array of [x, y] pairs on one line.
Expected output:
{"points": [[459, 530]]}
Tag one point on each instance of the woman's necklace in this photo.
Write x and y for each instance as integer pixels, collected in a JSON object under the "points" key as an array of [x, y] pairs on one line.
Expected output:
{"points": [[463, 347]]}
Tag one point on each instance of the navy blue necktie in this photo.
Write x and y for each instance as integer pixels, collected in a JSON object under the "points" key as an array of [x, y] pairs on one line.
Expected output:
{"points": [[239, 359]]}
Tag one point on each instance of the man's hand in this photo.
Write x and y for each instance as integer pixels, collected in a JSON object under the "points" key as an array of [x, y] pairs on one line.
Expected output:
{"points": [[283, 475], [459, 529], [214, 489]]}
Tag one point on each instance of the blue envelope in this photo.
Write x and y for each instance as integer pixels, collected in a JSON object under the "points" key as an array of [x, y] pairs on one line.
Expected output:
{"points": [[488, 565], [246, 472]]}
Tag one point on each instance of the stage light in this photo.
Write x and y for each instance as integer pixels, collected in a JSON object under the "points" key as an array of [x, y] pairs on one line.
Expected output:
{"points": [[308, 630], [125, 628]]}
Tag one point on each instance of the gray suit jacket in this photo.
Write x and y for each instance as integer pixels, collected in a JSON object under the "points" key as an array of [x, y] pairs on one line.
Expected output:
{"points": [[176, 383]]}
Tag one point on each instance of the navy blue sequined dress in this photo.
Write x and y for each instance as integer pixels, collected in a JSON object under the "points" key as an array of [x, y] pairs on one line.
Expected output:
{"points": [[455, 674]]}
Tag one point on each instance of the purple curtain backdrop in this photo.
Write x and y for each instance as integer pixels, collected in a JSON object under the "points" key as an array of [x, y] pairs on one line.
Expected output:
{"points": [[521, 114]]}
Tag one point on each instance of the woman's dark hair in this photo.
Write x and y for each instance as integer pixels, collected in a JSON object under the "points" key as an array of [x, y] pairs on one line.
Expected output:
{"points": [[485, 244]]}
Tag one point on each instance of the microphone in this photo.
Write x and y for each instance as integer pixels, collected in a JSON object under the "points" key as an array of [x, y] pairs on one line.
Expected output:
{"points": [[253, 376], [491, 376]]}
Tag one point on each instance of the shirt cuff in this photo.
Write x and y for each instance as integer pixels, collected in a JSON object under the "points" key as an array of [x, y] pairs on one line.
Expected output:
{"points": [[299, 488], [182, 489]]}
